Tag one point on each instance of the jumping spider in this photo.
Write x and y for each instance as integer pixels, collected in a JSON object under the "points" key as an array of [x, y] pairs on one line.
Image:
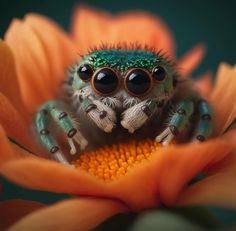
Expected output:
{"points": [[117, 94]]}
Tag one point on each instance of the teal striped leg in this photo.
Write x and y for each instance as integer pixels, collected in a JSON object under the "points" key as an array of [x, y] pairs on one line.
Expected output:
{"points": [[51, 111], [205, 125], [177, 122], [42, 119], [65, 122]]}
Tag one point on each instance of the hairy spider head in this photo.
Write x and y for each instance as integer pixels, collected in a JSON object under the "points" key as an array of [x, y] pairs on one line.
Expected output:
{"points": [[125, 76]]}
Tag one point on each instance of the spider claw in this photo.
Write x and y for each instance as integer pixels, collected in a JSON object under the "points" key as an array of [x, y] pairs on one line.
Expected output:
{"points": [[165, 137], [158, 139], [83, 144], [72, 146], [167, 140], [80, 140], [59, 157], [127, 126]]}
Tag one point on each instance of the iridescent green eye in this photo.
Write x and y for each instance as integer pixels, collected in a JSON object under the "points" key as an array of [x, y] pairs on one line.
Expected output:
{"points": [[85, 72], [105, 81], [159, 73], [138, 81]]}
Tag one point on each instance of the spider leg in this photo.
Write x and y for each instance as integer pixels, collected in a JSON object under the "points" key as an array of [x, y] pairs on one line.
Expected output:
{"points": [[46, 137], [135, 116], [102, 115], [51, 111], [177, 122], [205, 124]]}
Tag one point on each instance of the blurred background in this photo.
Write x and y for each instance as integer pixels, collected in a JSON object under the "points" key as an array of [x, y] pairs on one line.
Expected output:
{"points": [[192, 22], [210, 22]]}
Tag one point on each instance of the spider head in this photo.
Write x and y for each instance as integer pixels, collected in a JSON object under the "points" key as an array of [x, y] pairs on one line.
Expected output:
{"points": [[126, 74]]}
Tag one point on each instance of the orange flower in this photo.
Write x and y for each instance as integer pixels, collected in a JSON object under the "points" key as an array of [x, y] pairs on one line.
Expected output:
{"points": [[34, 57]]}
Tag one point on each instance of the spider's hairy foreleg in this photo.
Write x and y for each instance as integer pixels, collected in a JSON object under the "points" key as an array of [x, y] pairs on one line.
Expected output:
{"points": [[205, 124], [102, 115], [177, 123], [42, 119], [135, 116], [51, 111]]}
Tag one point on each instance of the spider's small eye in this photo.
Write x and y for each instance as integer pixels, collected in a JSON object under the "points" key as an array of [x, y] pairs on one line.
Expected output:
{"points": [[159, 73], [85, 72], [138, 82], [105, 81]]}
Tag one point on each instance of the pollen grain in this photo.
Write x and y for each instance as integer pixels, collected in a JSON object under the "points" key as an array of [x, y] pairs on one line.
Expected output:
{"points": [[110, 162]]}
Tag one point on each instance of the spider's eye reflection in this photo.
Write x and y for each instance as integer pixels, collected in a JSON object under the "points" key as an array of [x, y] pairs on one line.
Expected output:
{"points": [[105, 81], [159, 73], [85, 72], [138, 82]]}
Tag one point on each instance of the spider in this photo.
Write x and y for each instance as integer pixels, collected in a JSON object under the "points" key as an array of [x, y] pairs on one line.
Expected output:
{"points": [[115, 94]]}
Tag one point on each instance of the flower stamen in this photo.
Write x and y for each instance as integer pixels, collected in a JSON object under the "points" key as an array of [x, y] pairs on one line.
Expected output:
{"points": [[110, 162]]}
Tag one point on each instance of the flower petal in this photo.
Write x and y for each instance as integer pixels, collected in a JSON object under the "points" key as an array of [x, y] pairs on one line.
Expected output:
{"points": [[186, 162], [144, 186], [58, 48], [9, 85], [204, 85], [223, 97], [13, 123], [70, 215], [93, 28], [35, 65], [51, 176], [9, 150], [6, 152], [90, 28], [219, 188], [146, 30], [135, 189], [13, 210], [190, 61], [30, 63]]}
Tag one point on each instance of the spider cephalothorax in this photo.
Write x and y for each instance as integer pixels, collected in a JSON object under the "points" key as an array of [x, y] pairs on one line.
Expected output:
{"points": [[118, 89], [122, 79]]}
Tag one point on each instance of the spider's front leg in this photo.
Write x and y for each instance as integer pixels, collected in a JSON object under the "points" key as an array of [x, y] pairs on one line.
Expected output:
{"points": [[204, 126], [177, 123], [181, 117], [102, 115], [135, 116], [52, 111]]}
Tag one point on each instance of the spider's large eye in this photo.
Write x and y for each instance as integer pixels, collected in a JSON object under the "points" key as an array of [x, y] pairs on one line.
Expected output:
{"points": [[159, 73], [105, 81], [138, 82], [85, 72]]}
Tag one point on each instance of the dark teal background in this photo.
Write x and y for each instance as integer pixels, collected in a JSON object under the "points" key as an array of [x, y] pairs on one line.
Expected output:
{"points": [[210, 22]]}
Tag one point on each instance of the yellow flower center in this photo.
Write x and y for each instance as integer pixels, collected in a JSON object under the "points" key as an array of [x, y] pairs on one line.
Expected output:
{"points": [[110, 162]]}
